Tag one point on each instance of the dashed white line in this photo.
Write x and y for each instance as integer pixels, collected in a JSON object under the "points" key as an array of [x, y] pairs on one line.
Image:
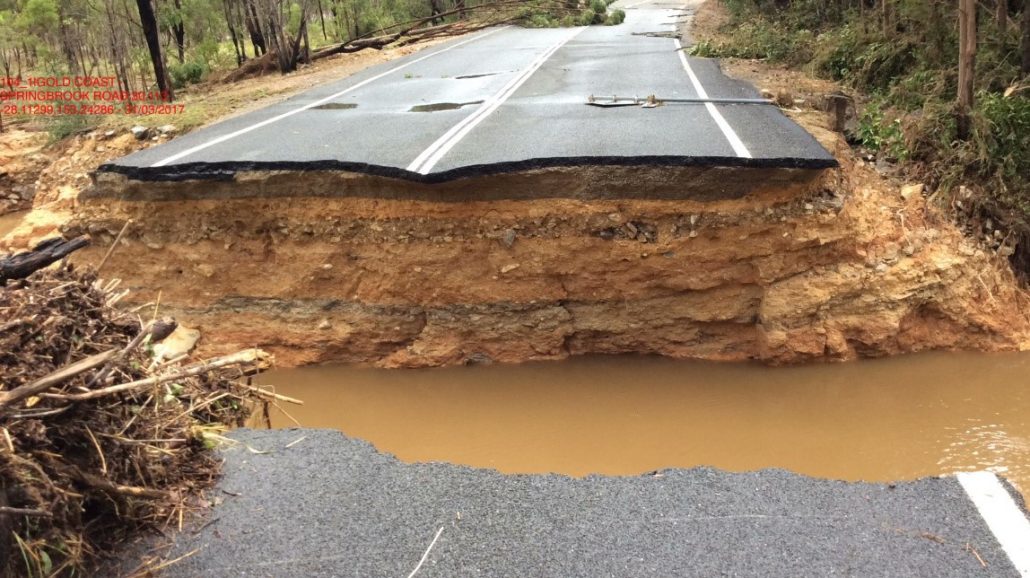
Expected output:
{"points": [[1006, 521], [320, 102], [432, 155], [727, 130]]}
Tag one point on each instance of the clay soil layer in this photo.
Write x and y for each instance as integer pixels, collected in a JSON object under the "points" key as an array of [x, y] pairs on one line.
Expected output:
{"points": [[715, 263]]}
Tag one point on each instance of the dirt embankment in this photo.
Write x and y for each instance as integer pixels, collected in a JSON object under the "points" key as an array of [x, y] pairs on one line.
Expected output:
{"points": [[727, 264]]}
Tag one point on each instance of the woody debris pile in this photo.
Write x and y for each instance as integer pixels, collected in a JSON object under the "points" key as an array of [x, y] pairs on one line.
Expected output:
{"points": [[98, 437]]}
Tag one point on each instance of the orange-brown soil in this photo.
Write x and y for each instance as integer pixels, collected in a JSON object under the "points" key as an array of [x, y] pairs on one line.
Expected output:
{"points": [[781, 267]]}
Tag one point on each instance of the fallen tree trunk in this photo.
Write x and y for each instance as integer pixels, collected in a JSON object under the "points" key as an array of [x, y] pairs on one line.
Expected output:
{"points": [[21, 265], [496, 13]]}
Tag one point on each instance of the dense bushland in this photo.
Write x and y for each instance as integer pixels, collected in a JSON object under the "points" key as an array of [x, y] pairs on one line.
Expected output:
{"points": [[902, 57]]}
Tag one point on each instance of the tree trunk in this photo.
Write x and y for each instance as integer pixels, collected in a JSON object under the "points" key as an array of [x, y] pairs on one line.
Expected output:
{"points": [[237, 40], [436, 8], [887, 16], [179, 32], [321, 17], [21, 265], [306, 49], [149, 22], [257, 38], [966, 64], [1026, 37], [936, 29]]}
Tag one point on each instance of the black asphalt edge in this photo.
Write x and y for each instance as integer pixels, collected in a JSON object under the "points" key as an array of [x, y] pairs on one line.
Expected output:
{"points": [[226, 171], [268, 443], [285, 435]]}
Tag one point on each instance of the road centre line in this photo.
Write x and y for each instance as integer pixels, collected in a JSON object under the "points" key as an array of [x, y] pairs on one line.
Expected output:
{"points": [[432, 155], [1006, 521], [727, 130], [320, 102]]}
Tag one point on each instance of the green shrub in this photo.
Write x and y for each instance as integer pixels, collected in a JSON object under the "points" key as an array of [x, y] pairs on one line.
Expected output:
{"points": [[586, 18], [615, 18], [705, 49], [1006, 132], [909, 71], [835, 53], [64, 125], [877, 132], [540, 20], [187, 73]]}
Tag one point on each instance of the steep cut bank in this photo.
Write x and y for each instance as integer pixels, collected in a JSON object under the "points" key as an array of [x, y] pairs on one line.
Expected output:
{"points": [[779, 265]]}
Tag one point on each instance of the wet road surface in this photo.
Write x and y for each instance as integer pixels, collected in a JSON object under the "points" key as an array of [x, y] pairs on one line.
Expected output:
{"points": [[500, 100]]}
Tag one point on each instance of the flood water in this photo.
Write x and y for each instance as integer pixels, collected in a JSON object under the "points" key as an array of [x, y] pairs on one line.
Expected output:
{"points": [[881, 420]]}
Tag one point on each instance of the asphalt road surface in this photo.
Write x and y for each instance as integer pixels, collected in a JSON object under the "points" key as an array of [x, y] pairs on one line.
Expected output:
{"points": [[506, 99], [317, 504]]}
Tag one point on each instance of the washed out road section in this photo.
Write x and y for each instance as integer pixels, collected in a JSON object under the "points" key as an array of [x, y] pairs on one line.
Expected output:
{"points": [[502, 100], [319, 504]]}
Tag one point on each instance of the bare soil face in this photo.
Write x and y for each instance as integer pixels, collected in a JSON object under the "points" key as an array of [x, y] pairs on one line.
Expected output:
{"points": [[781, 267]]}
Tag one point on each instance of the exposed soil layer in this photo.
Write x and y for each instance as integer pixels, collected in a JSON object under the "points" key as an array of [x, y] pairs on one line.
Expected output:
{"points": [[727, 264]]}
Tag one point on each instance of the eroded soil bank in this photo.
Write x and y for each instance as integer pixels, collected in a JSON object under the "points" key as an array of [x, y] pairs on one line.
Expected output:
{"points": [[711, 263]]}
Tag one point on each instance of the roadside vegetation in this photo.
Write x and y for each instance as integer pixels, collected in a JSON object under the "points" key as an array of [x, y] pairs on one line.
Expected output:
{"points": [[586, 14], [901, 60]]}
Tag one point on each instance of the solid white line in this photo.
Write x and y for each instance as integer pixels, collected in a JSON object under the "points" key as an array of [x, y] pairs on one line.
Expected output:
{"points": [[426, 555], [735, 142], [267, 122], [1003, 517], [432, 155]]}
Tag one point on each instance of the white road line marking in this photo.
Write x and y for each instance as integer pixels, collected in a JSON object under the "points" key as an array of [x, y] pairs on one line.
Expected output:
{"points": [[274, 119], [426, 554], [727, 130], [635, 4], [432, 155], [1003, 516]]}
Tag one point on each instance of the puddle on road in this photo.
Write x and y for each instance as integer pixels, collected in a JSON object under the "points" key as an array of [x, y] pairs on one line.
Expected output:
{"points": [[442, 106], [881, 420], [336, 106], [468, 76]]}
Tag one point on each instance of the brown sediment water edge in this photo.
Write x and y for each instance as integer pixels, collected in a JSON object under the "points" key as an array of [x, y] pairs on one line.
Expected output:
{"points": [[881, 420]]}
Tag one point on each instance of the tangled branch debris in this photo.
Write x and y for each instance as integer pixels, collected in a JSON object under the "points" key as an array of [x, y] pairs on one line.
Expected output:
{"points": [[96, 440]]}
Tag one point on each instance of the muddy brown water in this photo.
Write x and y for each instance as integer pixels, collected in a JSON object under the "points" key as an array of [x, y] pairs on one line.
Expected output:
{"points": [[880, 420]]}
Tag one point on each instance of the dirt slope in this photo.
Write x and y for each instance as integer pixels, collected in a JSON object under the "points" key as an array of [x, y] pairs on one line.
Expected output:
{"points": [[781, 267]]}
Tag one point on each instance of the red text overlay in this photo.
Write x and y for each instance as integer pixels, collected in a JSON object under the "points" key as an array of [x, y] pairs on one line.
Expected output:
{"points": [[73, 95]]}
